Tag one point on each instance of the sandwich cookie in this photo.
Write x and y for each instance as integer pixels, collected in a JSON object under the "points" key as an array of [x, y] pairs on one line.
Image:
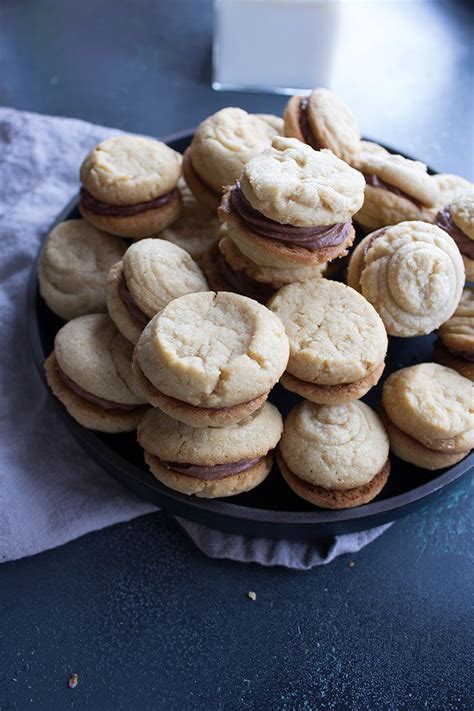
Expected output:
{"points": [[322, 120], [338, 342], [73, 268], [455, 345], [292, 206], [210, 462], [129, 186], [210, 359], [457, 219], [412, 274], [220, 148], [428, 410], [449, 187], [197, 228], [152, 273], [90, 372], [334, 456], [397, 189], [228, 269]]}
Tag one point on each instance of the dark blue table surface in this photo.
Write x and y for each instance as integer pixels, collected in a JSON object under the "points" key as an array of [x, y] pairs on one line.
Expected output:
{"points": [[145, 620]]}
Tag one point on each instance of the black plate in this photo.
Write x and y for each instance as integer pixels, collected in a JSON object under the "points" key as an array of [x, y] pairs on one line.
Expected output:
{"points": [[272, 509]]}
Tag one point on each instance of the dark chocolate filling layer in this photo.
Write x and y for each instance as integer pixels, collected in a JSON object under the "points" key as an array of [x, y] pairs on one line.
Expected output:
{"points": [[136, 314], [241, 282], [104, 208], [314, 237], [305, 126], [445, 221], [218, 471], [85, 395], [376, 182]]}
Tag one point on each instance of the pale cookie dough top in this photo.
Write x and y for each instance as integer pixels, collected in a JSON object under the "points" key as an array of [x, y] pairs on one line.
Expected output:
{"points": [[196, 229], [73, 268], [462, 213], [413, 275], [158, 271], [174, 441], [293, 184], [83, 349], [366, 150], [334, 446], [225, 142], [213, 349], [121, 351], [278, 276], [431, 403], [449, 187], [335, 335], [333, 124], [410, 176], [458, 331], [126, 170], [276, 122]]}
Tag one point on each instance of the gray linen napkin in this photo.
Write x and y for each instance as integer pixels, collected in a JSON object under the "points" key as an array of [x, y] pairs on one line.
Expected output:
{"points": [[50, 490]]}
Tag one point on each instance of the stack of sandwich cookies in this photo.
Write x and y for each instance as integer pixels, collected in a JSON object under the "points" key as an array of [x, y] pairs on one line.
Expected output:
{"points": [[455, 345], [90, 372], [322, 120], [228, 269], [292, 206], [197, 228], [211, 461], [413, 275], [210, 359], [338, 342], [457, 219], [429, 414], [221, 146], [334, 456], [397, 189], [73, 268], [151, 274], [129, 186]]}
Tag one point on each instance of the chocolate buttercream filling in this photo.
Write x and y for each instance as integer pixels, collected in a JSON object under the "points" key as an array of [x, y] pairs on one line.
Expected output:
{"points": [[218, 471], [305, 126], [445, 221], [104, 208], [85, 395], [313, 237], [136, 314], [377, 182], [241, 282]]}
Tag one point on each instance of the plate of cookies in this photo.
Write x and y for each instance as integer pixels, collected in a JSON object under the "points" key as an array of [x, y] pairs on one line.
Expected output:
{"points": [[265, 325]]}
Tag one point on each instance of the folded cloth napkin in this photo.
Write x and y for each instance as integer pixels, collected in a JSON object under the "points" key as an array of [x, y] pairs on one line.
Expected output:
{"points": [[51, 491]]}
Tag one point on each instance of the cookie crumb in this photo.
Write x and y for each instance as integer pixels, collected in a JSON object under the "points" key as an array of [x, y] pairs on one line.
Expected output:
{"points": [[251, 595], [351, 564], [73, 681]]}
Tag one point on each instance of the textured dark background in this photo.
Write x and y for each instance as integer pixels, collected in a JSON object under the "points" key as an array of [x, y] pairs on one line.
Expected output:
{"points": [[144, 619]]}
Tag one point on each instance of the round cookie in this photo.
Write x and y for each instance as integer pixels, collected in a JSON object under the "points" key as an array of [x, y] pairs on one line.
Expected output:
{"points": [[457, 219], [129, 186], [444, 356], [322, 120], [334, 456], [413, 275], [152, 273], [449, 187], [429, 412], [397, 189], [276, 123], [210, 359], [210, 462], [220, 148], [73, 268], [292, 206], [367, 149], [337, 341], [90, 372], [197, 228]]}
